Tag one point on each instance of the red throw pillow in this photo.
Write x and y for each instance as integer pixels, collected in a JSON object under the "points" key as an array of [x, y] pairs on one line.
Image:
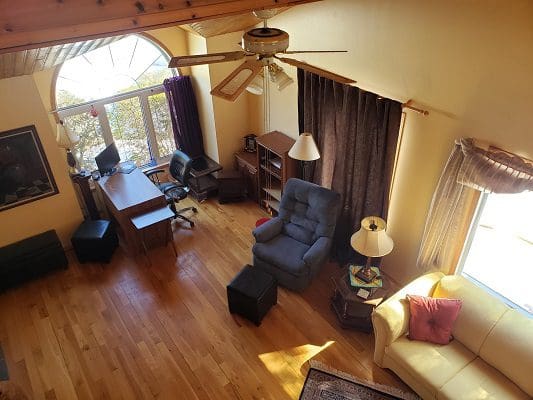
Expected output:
{"points": [[432, 319], [261, 221]]}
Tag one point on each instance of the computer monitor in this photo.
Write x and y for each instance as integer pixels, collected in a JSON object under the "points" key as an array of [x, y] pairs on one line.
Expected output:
{"points": [[107, 160]]}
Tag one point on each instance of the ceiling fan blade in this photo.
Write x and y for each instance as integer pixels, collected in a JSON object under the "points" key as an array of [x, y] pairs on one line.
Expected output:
{"points": [[189, 61], [235, 83], [316, 70], [313, 51]]}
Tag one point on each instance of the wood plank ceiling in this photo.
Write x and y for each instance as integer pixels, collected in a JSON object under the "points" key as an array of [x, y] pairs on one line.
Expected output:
{"points": [[29, 60], [29, 24]]}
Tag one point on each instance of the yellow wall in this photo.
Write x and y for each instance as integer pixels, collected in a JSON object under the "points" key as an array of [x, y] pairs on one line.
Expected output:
{"points": [[202, 87], [469, 63], [20, 105], [231, 118]]}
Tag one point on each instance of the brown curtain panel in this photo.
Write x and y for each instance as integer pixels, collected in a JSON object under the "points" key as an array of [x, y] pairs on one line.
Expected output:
{"points": [[357, 134]]}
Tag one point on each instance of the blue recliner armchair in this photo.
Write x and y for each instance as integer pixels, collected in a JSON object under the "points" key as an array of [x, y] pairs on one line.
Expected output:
{"points": [[294, 245]]}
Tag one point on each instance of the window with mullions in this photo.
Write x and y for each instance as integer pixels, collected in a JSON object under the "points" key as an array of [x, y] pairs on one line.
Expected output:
{"points": [[115, 94], [498, 254]]}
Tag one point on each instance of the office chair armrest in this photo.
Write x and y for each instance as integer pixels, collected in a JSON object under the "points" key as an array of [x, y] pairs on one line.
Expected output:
{"points": [[268, 230], [154, 171], [318, 251]]}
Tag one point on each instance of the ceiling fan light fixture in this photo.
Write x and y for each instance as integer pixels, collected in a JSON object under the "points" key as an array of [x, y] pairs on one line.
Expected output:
{"points": [[256, 85], [279, 77]]}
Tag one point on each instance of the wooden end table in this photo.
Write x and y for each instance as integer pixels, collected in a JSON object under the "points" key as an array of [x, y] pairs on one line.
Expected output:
{"points": [[351, 310]]}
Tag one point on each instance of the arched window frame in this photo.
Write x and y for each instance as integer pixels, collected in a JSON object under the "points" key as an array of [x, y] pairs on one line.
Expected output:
{"points": [[98, 105]]}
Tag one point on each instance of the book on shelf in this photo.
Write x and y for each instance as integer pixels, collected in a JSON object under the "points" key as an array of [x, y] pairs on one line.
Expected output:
{"points": [[359, 283], [276, 162]]}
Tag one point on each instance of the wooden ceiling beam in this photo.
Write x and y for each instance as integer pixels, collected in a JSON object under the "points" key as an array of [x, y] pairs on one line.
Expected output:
{"points": [[27, 24]]}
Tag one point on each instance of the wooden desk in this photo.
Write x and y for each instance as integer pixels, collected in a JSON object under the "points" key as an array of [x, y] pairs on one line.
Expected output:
{"points": [[129, 195]]}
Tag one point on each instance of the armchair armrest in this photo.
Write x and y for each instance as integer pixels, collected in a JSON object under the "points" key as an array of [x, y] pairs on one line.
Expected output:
{"points": [[317, 251], [391, 318], [265, 232]]}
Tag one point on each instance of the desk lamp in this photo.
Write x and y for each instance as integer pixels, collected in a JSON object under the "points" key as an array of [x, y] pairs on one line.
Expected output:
{"points": [[371, 241], [304, 150]]}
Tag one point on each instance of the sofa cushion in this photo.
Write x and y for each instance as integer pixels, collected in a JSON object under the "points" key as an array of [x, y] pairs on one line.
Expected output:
{"points": [[509, 348], [284, 252], [432, 365], [479, 313], [478, 380], [431, 320]]}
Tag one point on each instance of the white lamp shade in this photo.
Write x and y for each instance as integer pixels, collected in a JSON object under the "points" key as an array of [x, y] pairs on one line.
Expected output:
{"points": [[305, 148], [372, 239], [64, 138]]}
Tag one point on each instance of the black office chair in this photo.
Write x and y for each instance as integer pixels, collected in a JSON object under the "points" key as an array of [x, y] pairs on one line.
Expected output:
{"points": [[179, 168]]}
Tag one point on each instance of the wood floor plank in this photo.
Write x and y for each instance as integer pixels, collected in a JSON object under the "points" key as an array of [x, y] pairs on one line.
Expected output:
{"points": [[134, 329]]}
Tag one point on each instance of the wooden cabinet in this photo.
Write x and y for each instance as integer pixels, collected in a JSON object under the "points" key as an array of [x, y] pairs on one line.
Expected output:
{"points": [[275, 168], [246, 164]]}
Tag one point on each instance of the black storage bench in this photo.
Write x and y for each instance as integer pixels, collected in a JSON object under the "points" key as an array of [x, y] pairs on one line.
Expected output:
{"points": [[30, 258], [95, 241], [251, 294]]}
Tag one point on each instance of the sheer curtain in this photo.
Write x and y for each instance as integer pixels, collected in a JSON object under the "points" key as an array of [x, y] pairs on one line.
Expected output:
{"points": [[357, 134], [184, 115], [469, 171]]}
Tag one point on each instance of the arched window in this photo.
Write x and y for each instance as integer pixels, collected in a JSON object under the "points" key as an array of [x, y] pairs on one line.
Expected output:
{"points": [[115, 93]]}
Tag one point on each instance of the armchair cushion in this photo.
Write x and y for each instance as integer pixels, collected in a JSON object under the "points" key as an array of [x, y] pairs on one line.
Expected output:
{"points": [[285, 252], [268, 230]]}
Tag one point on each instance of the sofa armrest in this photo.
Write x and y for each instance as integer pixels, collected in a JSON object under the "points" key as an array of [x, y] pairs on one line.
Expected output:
{"points": [[265, 232], [317, 251], [391, 318]]}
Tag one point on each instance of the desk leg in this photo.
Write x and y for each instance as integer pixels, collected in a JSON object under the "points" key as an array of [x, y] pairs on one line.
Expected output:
{"points": [[144, 247], [169, 232]]}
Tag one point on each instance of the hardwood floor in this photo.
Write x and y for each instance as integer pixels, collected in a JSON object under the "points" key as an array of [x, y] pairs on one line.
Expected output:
{"points": [[133, 330]]}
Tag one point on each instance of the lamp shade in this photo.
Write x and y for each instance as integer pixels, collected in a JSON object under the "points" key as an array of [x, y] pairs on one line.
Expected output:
{"points": [[64, 138], [372, 239], [305, 148]]}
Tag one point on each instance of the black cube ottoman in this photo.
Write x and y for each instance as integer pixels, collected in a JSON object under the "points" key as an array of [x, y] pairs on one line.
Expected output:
{"points": [[94, 241], [251, 293]]}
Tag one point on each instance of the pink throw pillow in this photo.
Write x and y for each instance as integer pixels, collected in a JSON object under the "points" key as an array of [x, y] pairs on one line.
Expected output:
{"points": [[432, 319]]}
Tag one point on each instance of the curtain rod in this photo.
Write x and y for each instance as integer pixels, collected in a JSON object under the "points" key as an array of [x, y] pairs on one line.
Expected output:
{"points": [[408, 105]]}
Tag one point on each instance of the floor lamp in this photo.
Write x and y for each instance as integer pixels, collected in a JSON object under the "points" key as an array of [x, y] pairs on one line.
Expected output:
{"points": [[304, 150]]}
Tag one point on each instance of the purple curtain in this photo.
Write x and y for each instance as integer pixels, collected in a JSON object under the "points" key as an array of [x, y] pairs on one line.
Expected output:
{"points": [[357, 134], [184, 115]]}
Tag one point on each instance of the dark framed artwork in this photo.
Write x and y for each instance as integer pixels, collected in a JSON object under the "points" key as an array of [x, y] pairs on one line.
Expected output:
{"points": [[25, 174]]}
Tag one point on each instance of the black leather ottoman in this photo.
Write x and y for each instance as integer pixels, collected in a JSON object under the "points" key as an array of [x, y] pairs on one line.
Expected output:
{"points": [[251, 294], [95, 241]]}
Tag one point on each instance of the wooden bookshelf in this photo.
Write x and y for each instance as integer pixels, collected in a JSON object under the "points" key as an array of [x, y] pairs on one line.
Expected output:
{"points": [[275, 168]]}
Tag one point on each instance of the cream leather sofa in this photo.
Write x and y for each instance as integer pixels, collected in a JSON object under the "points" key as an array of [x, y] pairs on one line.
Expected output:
{"points": [[491, 356]]}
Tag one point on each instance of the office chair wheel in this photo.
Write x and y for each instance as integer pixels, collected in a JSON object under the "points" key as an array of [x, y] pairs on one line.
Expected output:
{"points": [[192, 224]]}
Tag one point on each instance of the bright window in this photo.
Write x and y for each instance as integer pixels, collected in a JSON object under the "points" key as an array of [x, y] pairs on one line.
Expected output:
{"points": [[499, 251], [115, 93]]}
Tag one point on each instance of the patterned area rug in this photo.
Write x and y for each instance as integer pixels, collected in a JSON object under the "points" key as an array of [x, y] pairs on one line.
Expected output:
{"points": [[325, 383]]}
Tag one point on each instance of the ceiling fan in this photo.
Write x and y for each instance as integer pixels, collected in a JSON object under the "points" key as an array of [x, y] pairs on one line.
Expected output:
{"points": [[261, 46]]}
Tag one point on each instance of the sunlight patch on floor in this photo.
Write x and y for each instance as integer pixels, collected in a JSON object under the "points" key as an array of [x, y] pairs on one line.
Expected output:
{"points": [[285, 364]]}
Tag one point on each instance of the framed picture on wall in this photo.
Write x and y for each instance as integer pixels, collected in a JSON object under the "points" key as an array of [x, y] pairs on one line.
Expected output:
{"points": [[25, 174]]}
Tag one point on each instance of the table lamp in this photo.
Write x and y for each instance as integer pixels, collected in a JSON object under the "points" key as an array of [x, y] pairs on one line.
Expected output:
{"points": [[304, 150], [66, 140], [371, 240]]}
